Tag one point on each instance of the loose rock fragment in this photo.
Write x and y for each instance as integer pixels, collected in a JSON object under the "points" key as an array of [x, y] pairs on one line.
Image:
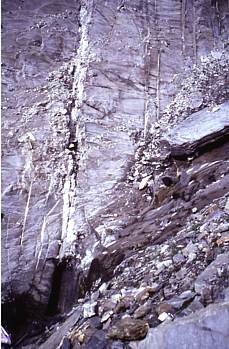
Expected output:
{"points": [[144, 182], [89, 309], [129, 329], [165, 317]]}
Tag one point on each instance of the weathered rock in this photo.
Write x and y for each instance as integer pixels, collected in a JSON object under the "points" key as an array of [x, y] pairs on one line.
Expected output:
{"points": [[164, 317], [164, 308], [106, 305], [107, 315], [128, 329], [142, 310], [90, 309], [35, 122], [193, 307], [60, 332], [75, 106], [178, 302], [102, 267], [121, 307], [146, 292], [178, 258], [206, 329], [198, 130], [66, 344], [209, 277], [97, 341], [144, 182], [95, 322]]}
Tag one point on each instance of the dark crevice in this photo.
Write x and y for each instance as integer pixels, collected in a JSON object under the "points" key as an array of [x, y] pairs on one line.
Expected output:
{"points": [[67, 287], [22, 317], [52, 307], [202, 149]]}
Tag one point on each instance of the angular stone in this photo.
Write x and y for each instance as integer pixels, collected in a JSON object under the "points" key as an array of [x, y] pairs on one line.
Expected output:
{"points": [[128, 329], [177, 302], [164, 308], [97, 341], [146, 292], [144, 182], [120, 307], [142, 310], [90, 309], [203, 283], [95, 322], [198, 130], [178, 258], [106, 316], [165, 317]]}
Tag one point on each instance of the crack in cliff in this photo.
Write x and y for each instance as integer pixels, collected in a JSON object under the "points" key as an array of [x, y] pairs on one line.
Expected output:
{"points": [[69, 235]]}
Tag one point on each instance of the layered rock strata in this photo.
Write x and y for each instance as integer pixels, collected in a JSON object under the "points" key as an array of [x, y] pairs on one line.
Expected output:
{"points": [[86, 86]]}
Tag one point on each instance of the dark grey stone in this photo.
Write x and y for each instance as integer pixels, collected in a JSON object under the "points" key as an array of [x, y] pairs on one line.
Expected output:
{"points": [[206, 329], [210, 276], [66, 344]]}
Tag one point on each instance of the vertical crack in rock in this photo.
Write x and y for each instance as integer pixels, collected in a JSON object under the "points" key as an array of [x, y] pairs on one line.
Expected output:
{"points": [[69, 224], [37, 92], [183, 16]]}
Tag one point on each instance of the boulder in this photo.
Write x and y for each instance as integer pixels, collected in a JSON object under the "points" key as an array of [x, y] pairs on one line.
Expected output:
{"points": [[198, 130], [128, 329]]}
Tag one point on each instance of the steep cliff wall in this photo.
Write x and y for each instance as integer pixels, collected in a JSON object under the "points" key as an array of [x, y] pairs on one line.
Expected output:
{"points": [[82, 83]]}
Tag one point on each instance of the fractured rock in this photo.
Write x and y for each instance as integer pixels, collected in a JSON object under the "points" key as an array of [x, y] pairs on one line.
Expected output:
{"points": [[90, 309], [206, 329], [198, 130], [128, 329], [177, 302], [208, 278], [141, 311]]}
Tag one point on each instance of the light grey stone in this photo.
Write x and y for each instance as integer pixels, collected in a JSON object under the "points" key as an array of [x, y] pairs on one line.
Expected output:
{"points": [[198, 129]]}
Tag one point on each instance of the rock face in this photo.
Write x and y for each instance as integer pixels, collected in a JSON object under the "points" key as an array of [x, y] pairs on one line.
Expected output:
{"points": [[115, 173], [38, 38]]}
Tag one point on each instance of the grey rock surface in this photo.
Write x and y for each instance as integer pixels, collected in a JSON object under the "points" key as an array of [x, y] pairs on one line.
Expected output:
{"points": [[57, 334], [217, 270], [38, 38], [90, 88], [199, 129], [208, 328], [71, 100]]}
